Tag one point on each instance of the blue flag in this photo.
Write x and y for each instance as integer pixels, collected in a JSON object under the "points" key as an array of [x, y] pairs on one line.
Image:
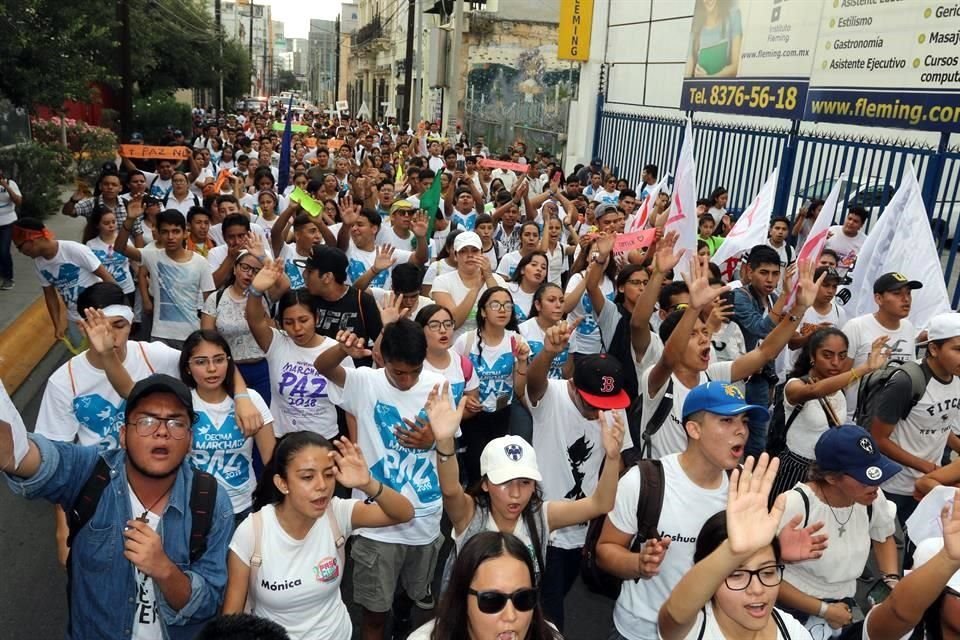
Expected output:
{"points": [[285, 145]]}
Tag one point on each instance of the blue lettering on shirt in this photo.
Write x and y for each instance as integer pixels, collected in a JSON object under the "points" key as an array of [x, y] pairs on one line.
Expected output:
{"points": [[293, 274], [116, 264], [401, 467], [66, 282], [496, 380], [588, 325], [556, 367], [218, 451], [102, 417], [356, 269], [177, 303]]}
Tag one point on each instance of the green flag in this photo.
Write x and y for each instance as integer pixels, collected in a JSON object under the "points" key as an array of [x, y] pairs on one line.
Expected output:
{"points": [[429, 202]]}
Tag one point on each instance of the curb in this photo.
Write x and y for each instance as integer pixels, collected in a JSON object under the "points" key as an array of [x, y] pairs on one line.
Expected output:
{"points": [[24, 344]]}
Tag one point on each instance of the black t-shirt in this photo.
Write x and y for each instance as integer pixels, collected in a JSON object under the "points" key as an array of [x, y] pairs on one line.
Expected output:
{"points": [[356, 311]]}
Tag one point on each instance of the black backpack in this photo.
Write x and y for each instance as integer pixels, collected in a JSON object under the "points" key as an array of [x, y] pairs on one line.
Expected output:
{"points": [[872, 386], [203, 499], [780, 422], [653, 424], [649, 506]]}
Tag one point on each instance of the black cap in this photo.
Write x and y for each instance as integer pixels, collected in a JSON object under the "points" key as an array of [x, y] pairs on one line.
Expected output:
{"points": [[161, 383], [596, 162], [326, 260], [893, 281], [831, 273], [599, 380]]}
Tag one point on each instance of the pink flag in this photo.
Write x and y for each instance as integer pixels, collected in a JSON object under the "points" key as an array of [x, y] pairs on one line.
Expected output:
{"points": [[683, 212], [642, 215], [750, 230], [817, 238]]}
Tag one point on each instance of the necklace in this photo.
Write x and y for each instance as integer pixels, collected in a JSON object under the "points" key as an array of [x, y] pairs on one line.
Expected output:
{"points": [[143, 516], [842, 525]]}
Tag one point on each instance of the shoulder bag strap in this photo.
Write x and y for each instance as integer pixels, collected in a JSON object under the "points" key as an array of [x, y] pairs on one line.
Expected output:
{"points": [[146, 360], [338, 538], [806, 505]]}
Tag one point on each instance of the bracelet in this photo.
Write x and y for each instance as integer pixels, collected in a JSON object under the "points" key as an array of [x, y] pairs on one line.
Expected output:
{"points": [[254, 292], [823, 609], [374, 497], [445, 455], [237, 396], [890, 577], [854, 376]]}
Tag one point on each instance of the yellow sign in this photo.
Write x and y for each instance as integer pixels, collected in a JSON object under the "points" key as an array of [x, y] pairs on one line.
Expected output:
{"points": [[576, 22]]}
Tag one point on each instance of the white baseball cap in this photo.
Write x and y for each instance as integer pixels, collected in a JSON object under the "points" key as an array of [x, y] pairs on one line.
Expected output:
{"points": [[943, 326], [467, 239], [508, 458]]}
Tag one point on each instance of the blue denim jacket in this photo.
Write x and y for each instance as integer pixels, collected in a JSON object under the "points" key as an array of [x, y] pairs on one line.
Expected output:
{"points": [[751, 317], [103, 589]]}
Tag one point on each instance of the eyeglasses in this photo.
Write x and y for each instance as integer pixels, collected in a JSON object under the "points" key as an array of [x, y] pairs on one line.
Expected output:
{"points": [[148, 425], [768, 576], [204, 361], [500, 306], [495, 601], [245, 268], [436, 325], [404, 212]]}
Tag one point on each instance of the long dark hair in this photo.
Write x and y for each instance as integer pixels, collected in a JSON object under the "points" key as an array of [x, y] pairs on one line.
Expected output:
{"points": [[92, 229], [191, 343], [287, 447], [804, 362], [482, 314], [452, 611], [427, 312], [527, 259], [293, 298], [538, 296]]}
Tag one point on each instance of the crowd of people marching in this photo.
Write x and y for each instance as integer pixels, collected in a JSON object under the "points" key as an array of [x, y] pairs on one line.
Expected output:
{"points": [[390, 355]]}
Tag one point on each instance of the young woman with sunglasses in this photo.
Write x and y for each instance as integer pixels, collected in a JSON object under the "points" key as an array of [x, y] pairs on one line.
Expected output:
{"points": [[731, 591], [493, 593]]}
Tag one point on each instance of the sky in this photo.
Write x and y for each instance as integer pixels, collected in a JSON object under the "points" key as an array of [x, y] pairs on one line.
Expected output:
{"points": [[296, 14]]}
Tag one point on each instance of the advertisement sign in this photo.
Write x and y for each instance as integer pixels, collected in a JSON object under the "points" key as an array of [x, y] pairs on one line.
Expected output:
{"points": [[576, 22], [750, 56], [888, 63]]}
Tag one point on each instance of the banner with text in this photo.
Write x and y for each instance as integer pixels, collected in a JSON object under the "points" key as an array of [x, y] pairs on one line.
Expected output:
{"points": [[889, 63], [750, 56]]}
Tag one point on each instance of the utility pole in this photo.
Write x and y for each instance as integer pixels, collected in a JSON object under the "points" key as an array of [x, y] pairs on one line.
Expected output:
{"points": [[415, 110], [265, 78], [454, 112], [218, 18], [336, 73], [126, 72], [253, 66], [406, 113]]}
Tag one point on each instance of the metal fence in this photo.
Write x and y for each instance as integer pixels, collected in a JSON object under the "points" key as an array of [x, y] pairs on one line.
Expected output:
{"points": [[741, 158], [539, 126]]}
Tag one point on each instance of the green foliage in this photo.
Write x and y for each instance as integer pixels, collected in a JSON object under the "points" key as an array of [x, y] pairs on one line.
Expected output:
{"points": [[39, 170], [236, 70], [152, 116], [89, 146], [53, 50]]}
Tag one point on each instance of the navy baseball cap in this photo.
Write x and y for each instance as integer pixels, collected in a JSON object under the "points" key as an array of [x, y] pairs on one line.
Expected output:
{"points": [[722, 399], [850, 450]]}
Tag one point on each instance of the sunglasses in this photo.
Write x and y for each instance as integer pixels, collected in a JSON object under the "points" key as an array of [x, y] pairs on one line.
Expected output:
{"points": [[495, 601]]}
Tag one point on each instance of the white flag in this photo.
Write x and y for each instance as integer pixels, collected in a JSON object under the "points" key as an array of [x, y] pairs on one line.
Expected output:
{"points": [[10, 415], [817, 238], [640, 217], [750, 229], [901, 241], [683, 212]]}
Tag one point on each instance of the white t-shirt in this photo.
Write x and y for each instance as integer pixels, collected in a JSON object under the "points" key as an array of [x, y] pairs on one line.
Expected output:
{"points": [[79, 403], [360, 261], [147, 624], [556, 264], [116, 263], [454, 374], [522, 301], [298, 584], [221, 449], [534, 335], [157, 186], [387, 235], [10, 415], [451, 284], [861, 332], [712, 631], [847, 248], [508, 264], [231, 322], [672, 438], [835, 573], [177, 289], [290, 257], [561, 433], [8, 213], [379, 408], [586, 339], [436, 268], [183, 206], [493, 366], [70, 272], [811, 422], [686, 506], [836, 316], [299, 397], [925, 430]]}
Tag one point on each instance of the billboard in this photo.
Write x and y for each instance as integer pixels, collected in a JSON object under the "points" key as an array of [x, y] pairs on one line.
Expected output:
{"points": [[576, 23], [887, 63], [750, 56]]}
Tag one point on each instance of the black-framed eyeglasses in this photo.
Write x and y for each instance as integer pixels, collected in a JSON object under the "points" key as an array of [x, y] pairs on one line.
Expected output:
{"points": [[500, 306], [246, 268], [204, 361], [436, 325], [769, 576], [148, 425], [495, 601]]}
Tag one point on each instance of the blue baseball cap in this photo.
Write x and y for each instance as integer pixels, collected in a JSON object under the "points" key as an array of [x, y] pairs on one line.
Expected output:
{"points": [[722, 399], [850, 450]]}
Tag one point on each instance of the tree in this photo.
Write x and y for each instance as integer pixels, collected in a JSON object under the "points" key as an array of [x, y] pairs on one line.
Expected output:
{"points": [[288, 80], [236, 70], [53, 51]]}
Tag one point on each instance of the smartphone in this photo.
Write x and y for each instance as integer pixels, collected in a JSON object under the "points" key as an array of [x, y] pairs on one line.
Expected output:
{"points": [[461, 165], [878, 593]]}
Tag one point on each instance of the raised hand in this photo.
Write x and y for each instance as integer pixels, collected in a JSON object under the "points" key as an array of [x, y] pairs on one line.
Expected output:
{"points": [[419, 225], [390, 308], [521, 350], [255, 244], [444, 417], [384, 258], [665, 257], [651, 556], [268, 276], [98, 331], [950, 522], [353, 345], [135, 208], [611, 433], [604, 245], [556, 339], [808, 288], [348, 212], [750, 525], [879, 354], [702, 292], [351, 468]]}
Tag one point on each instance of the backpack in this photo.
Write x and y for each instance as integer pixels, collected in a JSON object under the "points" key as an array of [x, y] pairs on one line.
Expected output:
{"points": [[779, 421], [653, 424], [777, 619], [649, 506], [203, 499], [873, 384]]}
